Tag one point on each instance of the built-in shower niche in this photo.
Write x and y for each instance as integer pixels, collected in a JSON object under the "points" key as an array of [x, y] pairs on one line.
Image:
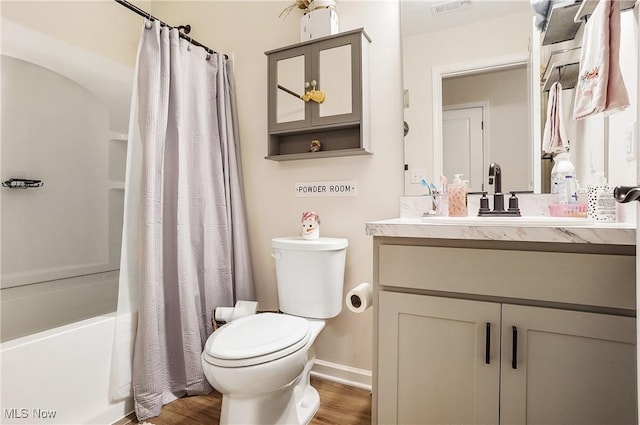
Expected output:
{"points": [[117, 171]]}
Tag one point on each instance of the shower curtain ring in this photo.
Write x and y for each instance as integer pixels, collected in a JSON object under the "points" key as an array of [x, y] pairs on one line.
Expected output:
{"points": [[189, 46], [148, 24]]}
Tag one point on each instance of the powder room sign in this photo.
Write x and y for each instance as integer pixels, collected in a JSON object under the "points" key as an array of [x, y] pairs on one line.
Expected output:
{"points": [[326, 189]]}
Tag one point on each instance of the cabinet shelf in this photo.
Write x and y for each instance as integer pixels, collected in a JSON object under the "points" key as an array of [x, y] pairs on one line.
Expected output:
{"points": [[561, 25], [316, 128], [321, 154], [588, 6], [565, 19], [338, 140]]}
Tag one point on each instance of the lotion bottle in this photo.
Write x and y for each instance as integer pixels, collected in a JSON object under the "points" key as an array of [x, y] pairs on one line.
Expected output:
{"points": [[601, 203], [457, 197]]}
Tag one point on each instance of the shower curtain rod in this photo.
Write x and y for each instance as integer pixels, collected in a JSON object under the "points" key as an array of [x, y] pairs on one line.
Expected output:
{"points": [[187, 28]]}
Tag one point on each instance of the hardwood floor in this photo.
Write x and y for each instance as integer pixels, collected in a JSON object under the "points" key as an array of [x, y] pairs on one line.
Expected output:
{"points": [[339, 405]]}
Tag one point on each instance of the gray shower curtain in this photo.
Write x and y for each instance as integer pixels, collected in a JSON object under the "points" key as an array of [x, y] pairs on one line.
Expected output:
{"points": [[192, 240]]}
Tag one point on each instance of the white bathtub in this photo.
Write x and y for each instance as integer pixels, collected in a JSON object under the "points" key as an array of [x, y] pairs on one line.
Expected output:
{"points": [[31, 309], [60, 376], [57, 313]]}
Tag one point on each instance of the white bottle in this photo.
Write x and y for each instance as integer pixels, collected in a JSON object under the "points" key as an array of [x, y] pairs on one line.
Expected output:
{"points": [[562, 168]]}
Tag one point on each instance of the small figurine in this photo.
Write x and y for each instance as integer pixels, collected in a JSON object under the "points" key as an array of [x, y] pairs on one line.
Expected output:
{"points": [[310, 225], [315, 146]]}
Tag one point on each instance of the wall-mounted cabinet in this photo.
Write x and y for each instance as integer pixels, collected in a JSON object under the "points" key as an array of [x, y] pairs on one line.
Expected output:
{"points": [[336, 66]]}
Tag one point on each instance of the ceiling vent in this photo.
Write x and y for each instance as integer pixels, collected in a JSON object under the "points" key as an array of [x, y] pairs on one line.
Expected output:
{"points": [[449, 6]]}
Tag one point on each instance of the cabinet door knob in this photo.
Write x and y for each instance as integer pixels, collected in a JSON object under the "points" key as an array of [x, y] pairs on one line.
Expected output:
{"points": [[514, 348], [487, 344]]}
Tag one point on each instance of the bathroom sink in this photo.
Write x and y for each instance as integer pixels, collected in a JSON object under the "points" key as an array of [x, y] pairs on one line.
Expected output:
{"points": [[531, 221]]}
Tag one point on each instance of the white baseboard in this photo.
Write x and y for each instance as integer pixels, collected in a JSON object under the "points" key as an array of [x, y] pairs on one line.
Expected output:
{"points": [[347, 375]]}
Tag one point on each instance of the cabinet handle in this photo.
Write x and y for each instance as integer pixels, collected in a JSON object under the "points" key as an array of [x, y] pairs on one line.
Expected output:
{"points": [[514, 348], [487, 344]]}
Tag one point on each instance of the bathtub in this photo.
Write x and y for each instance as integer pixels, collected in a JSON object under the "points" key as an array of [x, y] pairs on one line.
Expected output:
{"points": [[58, 319], [61, 376]]}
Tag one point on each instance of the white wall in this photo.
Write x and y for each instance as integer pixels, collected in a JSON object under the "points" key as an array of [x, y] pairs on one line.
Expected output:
{"points": [[99, 26], [246, 29], [621, 171]]}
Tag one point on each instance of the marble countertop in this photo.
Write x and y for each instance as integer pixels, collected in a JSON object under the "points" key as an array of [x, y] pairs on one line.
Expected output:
{"points": [[586, 232]]}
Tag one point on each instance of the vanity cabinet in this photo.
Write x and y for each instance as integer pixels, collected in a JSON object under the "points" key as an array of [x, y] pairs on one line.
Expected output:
{"points": [[337, 66], [482, 332]]}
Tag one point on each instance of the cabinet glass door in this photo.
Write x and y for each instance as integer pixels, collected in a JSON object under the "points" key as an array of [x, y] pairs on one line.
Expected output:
{"points": [[335, 81], [337, 70], [289, 106]]}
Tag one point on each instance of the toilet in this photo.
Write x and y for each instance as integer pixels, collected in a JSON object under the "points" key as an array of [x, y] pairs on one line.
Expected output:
{"points": [[260, 363]]}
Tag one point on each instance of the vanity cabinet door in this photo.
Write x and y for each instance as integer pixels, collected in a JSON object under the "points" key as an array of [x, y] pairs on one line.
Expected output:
{"points": [[436, 362], [572, 367]]}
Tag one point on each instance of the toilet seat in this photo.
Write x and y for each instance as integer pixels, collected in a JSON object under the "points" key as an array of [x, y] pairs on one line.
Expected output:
{"points": [[256, 339]]}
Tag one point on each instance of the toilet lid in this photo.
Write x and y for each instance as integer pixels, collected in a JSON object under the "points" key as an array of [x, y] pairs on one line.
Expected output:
{"points": [[256, 336]]}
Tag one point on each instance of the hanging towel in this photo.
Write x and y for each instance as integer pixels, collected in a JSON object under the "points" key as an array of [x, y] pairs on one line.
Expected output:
{"points": [[600, 85], [554, 136]]}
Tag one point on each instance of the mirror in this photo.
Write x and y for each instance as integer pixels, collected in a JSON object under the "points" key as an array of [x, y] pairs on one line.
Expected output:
{"points": [[335, 69], [290, 76], [485, 118], [326, 67], [454, 62], [445, 41]]}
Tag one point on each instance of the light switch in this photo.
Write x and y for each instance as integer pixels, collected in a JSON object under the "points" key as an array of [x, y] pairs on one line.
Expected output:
{"points": [[630, 141]]}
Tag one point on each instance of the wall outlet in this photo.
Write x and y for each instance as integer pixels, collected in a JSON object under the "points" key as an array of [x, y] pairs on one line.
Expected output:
{"points": [[417, 174]]}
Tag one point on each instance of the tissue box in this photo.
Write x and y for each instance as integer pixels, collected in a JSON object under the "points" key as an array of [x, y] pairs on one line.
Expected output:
{"points": [[318, 23]]}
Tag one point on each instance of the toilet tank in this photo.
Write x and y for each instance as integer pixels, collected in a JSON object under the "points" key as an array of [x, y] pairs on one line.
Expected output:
{"points": [[310, 275]]}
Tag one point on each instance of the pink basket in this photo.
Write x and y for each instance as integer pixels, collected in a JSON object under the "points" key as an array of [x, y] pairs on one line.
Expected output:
{"points": [[568, 210]]}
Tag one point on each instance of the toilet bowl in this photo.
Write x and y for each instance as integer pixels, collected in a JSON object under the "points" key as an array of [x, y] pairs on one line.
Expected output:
{"points": [[261, 363]]}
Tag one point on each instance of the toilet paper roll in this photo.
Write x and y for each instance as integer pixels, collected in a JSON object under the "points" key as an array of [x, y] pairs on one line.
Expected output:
{"points": [[360, 298]]}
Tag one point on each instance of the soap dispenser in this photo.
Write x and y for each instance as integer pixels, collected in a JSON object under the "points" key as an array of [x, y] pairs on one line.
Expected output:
{"points": [[457, 197]]}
